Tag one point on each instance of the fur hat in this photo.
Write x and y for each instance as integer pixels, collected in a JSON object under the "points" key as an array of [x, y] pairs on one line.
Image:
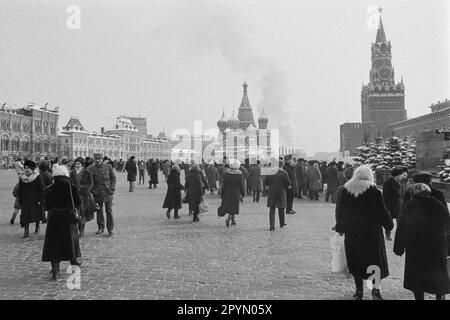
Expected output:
{"points": [[80, 160], [397, 171], [30, 164], [422, 177], [60, 171], [234, 163]]}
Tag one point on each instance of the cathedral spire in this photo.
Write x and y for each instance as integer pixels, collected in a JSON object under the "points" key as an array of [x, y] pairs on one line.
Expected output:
{"points": [[381, 36], [245, 113]]}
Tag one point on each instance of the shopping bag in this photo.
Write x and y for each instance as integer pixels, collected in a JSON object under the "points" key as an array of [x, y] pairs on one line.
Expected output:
{"points": [[325, 188], [338, 258], [203, 206]]}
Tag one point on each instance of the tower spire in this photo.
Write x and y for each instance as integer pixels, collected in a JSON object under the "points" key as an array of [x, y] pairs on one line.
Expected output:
{"points": [[381, 36]]}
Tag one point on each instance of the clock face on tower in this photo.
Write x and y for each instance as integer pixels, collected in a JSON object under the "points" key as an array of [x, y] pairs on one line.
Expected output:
{"points": [[384, 73]]}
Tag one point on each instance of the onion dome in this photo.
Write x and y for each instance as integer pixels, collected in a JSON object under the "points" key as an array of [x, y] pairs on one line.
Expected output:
{"points": [[263, 120], [222, 124], [233, 122]]}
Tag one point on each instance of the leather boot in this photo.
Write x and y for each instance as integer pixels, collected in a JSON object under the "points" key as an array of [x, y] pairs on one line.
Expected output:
{"points": [[26, 231], [81, 230], [55, 270], [36, 230]]}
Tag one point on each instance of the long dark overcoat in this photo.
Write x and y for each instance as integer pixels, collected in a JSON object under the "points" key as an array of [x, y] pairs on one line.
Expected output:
{"points": [[292, 176], [332, 179], [423, 234], [232, 191], [255, 178], [194, 191], [84, 183], [392, 195], [132, 170], [314, 178], [362, 220], [300, 174], [174, 187], [154, 173], [278, 184], [212, 175], [30, 197], [61, 236]]}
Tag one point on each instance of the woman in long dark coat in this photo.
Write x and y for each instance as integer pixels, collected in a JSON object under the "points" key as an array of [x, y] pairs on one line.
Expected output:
{"points": [[232, 191], [132, 171], [392, 195], [332, 182], [154, 174], [173, 195], [361, 216], [278, 184], [212, 176], [82, 179], [30, 194], [423, 234], [194, 191], [61, 237], [47, 178]]}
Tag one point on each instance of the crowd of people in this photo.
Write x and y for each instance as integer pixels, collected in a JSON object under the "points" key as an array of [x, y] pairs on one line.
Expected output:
{"points": [[66, 194]]}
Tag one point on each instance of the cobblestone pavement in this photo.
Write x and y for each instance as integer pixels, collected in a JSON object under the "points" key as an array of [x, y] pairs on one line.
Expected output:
{"points": [[151, 257]]}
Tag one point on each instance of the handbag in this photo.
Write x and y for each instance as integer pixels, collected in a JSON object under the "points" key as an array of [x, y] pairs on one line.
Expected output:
{"points": [[338, 257], [204, 207], [220, 212], [74, 211]]}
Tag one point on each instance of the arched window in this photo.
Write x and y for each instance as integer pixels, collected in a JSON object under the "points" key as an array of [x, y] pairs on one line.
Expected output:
{"points": [[37, 146], [4, 145], [15, 144], [46, 146], [25, 145]]}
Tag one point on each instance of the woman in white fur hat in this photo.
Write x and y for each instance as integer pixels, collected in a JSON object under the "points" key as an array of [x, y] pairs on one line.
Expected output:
{"points": [[232, 191]]}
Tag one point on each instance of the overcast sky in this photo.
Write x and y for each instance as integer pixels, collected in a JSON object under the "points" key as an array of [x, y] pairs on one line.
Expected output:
{"points": [[185, 60]]}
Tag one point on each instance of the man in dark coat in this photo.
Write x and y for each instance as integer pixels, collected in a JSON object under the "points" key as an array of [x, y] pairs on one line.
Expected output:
{"points": [[245, 176], [291, 192], [300, 174], [423, 234], [278, 184], [392, 194], [332, 182], [232, 191], [256, 180], [103, 191], [132, 170], [30, 197], [248, 182], [361, 216], [154, 174], [61, 236]]}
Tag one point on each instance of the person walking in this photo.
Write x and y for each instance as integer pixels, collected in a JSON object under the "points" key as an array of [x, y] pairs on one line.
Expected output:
{"points": [[423, 235], [141, 168], [103, 191], [173, 195], [245, 176], [314, 181], [61, 236], [212, 176], [290, 192], [220, 172], [30, 194], [16, 207], [278, 184], [361, 216], [424, 177], [83, 181], [392, 194], [153, 174], [47, 179], [300, 175], [194, 192], [232, 192], [256, 180], [166, 169], [132, 170], [332, 182]]}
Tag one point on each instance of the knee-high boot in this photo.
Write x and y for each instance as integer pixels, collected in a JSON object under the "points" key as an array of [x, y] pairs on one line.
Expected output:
{"points": [[55, 270], [26, 231]]}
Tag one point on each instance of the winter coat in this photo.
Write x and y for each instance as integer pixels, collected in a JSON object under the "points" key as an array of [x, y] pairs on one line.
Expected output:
{"points": [[232, 191], [392, 195], [166, 168], [15, 194], [61, 236], [255, 178], [362, 220], [174, 187], [31, 198], [221, 172], [300, 173], [194, 190], [245, 176], [314, 179], [132, 170], [423, 234], [84, 184], [292, 176], [278, 184], [154, 173], [439, 195], [104, 182], [212, 175], [332, 179], [47, 177]]}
